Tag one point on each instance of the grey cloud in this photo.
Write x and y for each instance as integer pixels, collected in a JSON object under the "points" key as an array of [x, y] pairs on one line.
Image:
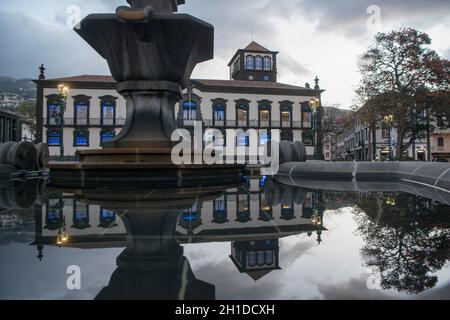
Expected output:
{"points": [[350, 17], [27, 43], [290, 66], [356, 289]]}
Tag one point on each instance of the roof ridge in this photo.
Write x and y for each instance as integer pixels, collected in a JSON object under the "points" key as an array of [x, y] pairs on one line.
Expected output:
{"points": [[256, 47]]}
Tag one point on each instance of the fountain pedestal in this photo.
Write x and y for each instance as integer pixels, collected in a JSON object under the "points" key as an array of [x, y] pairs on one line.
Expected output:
{"points": [[151, 53]]}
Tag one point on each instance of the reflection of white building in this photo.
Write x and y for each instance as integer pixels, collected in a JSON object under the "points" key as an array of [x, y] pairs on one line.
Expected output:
{"points": [[251, 98], [239, 215], [81, 222]]}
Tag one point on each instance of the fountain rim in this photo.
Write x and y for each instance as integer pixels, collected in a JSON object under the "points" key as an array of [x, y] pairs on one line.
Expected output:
{"points": [[156, 16]]}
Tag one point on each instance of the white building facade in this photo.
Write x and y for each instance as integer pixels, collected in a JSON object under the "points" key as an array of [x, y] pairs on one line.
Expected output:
{"points": [[251, 99]]}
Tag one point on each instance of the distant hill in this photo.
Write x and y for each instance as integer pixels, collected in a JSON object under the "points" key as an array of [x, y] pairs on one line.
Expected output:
{"points": [[8, 83], [23, 87]]}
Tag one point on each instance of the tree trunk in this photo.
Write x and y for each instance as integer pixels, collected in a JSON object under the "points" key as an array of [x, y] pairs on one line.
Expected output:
{"points": [[399, 147]]}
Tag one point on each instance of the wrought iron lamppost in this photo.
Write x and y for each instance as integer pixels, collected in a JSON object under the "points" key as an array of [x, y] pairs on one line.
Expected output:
{"points": [[388, 120], [315, 104], [63, 93]]}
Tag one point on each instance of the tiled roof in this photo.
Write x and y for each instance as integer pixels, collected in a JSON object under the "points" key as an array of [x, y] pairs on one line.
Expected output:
{"points": [[247, 84], [254, 46], [232, 85], [84, 78]]}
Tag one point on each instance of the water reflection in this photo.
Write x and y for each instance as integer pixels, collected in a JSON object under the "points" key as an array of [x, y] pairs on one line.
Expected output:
{"points": [[406, 237]]}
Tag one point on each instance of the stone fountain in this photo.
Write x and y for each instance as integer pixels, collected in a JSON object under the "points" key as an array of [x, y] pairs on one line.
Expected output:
{"points": [[151, 52]]}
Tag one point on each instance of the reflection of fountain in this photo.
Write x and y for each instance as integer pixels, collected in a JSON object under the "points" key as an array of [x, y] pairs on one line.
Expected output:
{"points": [[151, 53], [153, 265]]}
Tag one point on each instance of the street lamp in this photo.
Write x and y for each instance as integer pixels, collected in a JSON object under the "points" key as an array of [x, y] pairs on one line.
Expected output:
{"points": [[314, 104], [63, 94], [389, 120]]}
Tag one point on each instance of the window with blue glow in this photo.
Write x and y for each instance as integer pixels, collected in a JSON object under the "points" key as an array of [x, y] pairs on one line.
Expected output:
{"points": [[219, 206], [243, 141], [54, 113], [81, 113], [81, 139], [107, 214], [266, 78], [53, 214], [190, 110], [108, 113], [264, 139], [262, 182], [267, 63], [249, 63], [107, 136], [54, 138], [258, 63], [191, 215], [219, 113]]}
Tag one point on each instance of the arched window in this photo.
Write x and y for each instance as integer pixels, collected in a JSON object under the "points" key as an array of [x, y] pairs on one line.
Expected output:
{"points": [[80, 215], [54, 110], [267, 63], [265, 210], [287, 212], [219, 112], [191, 218], [251, 258], [243, 213], [264, 112], [189, 110], [249, 63], [219, 115], [261, 258], [286, 115], [306, 116], [258, 63], [81, 138], [81, 110], [242, 115], [441, 142], [54, 218], [107, 219], [220, 211], [108, 110], [269, 258]]}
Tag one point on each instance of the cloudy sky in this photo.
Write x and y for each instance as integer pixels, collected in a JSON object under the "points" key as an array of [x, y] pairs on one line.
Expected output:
{"points": [[321, 38]]}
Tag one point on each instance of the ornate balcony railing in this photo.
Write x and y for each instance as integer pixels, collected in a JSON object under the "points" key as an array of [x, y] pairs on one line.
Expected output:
{"points": [[91, 122], [250, 124]]}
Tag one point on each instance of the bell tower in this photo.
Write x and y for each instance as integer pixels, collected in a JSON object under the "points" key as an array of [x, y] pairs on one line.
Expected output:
{"points": [[254, 63]]}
